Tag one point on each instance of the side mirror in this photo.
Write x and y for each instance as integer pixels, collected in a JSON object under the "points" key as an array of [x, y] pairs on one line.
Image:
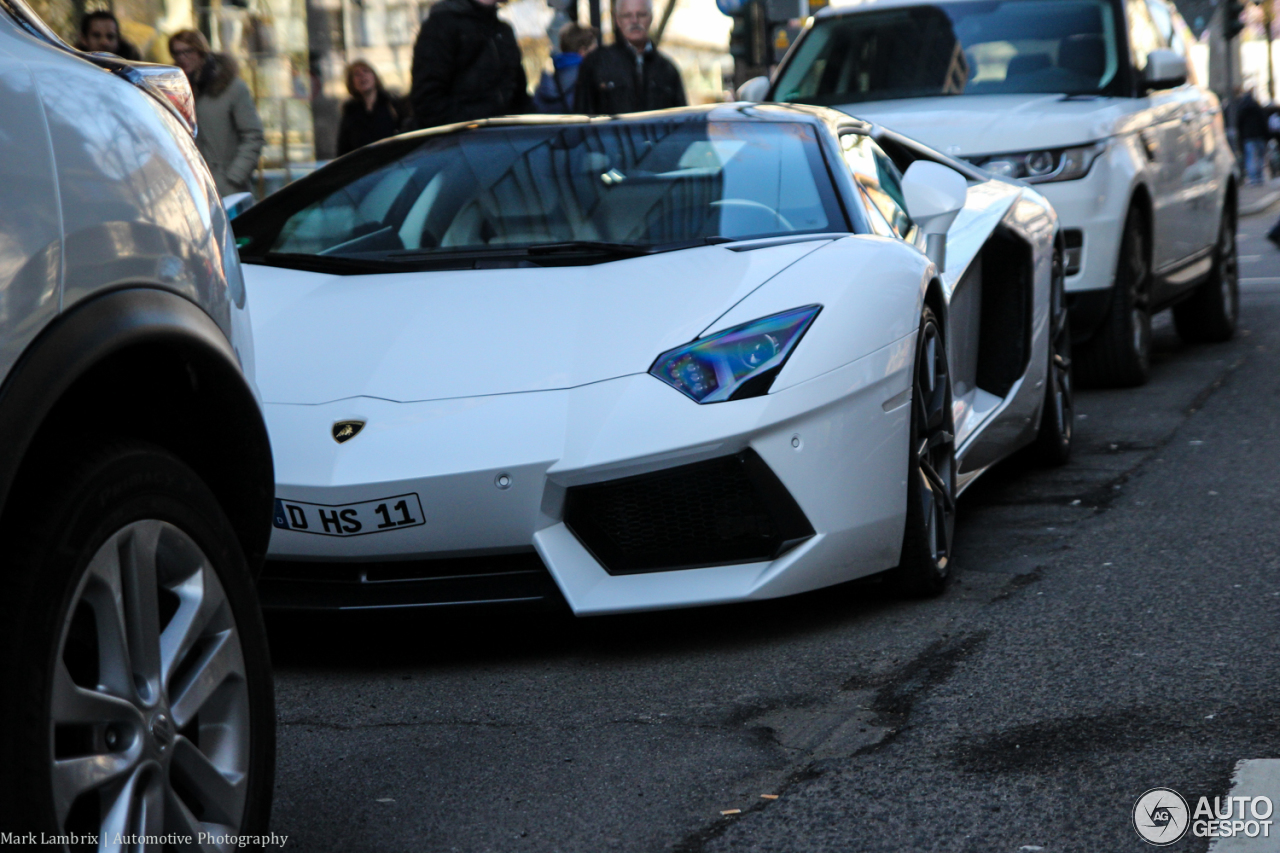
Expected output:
{"points": [[236, 204], [1165, 70], [935, 195], [754, 89]]}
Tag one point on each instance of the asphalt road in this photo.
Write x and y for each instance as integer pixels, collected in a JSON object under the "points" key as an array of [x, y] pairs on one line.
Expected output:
{"points": [[1112, 628]]}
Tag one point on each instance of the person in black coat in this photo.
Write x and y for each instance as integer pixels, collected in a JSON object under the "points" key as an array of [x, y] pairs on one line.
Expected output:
{"points": [[466, 66], [1251, 125], [370, 114], [629, 75]]}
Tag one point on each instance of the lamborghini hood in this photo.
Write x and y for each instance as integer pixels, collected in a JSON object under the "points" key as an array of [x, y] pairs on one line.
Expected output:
{"points": [[418, 336]]}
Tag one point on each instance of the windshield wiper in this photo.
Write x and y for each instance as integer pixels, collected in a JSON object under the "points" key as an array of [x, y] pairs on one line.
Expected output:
{"points": [[471, 257], [604, 246], [564, 247], [514, 250], [627, 249], [335, 264]]}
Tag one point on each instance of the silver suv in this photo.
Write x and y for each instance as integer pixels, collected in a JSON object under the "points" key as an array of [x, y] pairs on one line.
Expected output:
{"points": [[135, 471]]}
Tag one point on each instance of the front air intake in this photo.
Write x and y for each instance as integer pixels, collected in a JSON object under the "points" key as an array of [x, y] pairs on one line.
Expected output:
{"points": [[728, 510]]}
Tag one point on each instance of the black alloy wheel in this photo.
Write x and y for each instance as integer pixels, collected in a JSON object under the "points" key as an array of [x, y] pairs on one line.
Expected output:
{"points": [[1210, 314], [925, 566], [1119, 353], [1057, 417]]}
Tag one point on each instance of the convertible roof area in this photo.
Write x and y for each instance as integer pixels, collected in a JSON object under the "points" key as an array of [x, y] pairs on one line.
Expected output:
{"points": [[741, 111]]}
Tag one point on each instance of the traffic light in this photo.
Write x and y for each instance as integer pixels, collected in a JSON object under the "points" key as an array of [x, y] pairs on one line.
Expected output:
{"points": [[1231, 23]]}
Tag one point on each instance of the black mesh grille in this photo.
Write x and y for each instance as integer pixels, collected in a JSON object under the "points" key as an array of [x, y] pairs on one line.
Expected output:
{"points": [[727, 510]]}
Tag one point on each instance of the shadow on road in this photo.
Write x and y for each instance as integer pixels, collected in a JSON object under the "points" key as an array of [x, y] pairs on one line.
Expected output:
{"points": [[469, 635]]}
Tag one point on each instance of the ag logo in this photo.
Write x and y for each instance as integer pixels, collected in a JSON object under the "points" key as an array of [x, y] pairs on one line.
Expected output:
{"points": [[346, 430], [1160, 816]]}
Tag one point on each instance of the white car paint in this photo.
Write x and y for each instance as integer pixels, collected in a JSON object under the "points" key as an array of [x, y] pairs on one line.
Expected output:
{"points": [[537, 379], [833, 428], [1186, 214]]}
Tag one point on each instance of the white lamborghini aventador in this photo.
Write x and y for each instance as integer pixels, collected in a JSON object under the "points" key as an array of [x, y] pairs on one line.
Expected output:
{"points": [[667, 359]]}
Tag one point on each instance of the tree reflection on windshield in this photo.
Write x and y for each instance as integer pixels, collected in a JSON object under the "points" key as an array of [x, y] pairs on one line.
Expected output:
{"points": [[598, 185]]}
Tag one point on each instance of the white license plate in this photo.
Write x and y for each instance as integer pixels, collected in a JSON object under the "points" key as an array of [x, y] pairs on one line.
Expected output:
{"points": [[377, 516]]}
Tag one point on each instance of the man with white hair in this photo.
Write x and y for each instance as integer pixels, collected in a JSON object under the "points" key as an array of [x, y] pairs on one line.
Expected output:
{"points": [[629, 75]]}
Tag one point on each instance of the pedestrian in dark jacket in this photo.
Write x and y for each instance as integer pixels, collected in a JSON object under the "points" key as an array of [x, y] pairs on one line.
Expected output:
{"points": [[100, 33], [466, 65], [1251, 124], [629, 75], [555, 90], [370, 114]]}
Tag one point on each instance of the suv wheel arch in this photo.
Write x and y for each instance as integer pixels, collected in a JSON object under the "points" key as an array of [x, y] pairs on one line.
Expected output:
{"points": [[142, 363]]}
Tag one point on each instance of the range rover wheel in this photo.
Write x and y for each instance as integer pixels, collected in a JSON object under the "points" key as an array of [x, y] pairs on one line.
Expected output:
{"points": [[1210, 314], [1119, 353], [1057, 417], [143, 696], [931, 475]]}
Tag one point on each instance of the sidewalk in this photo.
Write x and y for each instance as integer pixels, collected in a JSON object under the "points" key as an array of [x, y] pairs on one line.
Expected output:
{"points": [[1258, 199]]}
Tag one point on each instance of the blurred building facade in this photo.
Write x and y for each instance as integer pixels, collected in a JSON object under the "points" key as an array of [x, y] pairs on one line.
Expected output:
{"points": [[268, 38], [382, 33], [294, 53]]}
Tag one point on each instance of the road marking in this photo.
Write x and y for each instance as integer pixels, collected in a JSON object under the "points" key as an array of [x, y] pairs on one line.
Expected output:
{"points": [[1266, 279], [1250, 259], [1259, 777]]}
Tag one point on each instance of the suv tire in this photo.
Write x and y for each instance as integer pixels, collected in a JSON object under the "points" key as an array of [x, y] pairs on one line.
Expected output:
{"points": [[1119, 353], [1209, 315], [136, 659]]}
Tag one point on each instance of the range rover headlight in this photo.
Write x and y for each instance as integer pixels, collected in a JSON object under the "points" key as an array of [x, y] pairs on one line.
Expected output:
{"points": [[736, 363], [1036, 167]]}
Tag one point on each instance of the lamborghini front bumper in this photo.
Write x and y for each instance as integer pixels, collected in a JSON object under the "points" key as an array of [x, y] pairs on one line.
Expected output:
{"points": [[633, 496]]}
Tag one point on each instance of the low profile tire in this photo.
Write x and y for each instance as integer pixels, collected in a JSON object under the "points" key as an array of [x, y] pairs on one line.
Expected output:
{"points": [[1057, 417], [925, 567], [1209, 315], [135, 657], [1119, 353]]}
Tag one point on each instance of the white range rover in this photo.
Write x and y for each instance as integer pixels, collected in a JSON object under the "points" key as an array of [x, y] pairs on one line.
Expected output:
{"points": [[1094, 102]]}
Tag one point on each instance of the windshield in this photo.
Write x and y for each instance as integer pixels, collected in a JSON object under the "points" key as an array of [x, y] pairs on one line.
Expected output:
{"points": [[601, 186], [967, 48]]}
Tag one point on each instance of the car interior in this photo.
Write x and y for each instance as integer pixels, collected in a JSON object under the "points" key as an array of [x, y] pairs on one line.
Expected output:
{"points": [[642, 184]]}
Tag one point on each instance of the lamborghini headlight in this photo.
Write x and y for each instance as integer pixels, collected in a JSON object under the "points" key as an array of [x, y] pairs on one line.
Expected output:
{"points": [[736, 363], [1036, 167]]}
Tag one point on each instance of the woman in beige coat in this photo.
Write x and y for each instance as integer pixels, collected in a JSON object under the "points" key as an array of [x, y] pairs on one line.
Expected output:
{"points": [[230, 131]]}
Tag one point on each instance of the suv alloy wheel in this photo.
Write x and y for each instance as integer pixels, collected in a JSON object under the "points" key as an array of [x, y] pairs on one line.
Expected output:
{"points": [[1119, 353], [140, 669]]}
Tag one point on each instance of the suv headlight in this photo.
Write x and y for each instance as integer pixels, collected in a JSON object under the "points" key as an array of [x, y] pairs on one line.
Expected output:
{"points": [[736, 363], [1037, 167]]}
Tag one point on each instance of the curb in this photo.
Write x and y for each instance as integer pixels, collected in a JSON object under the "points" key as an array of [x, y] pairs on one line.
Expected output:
{"points": [[1260, 205]]}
